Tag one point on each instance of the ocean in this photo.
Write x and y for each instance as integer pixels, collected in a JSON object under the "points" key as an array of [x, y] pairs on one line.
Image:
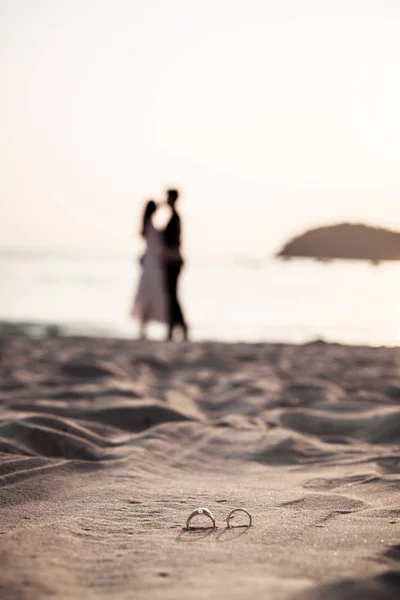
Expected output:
{"points": [[351, 302]]}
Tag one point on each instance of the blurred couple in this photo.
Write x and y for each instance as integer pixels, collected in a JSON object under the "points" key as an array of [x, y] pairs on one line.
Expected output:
{"points": [[157, 295]]}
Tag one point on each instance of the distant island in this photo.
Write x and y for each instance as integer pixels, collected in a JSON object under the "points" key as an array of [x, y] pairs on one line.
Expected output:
{"points": [[345, 241]]}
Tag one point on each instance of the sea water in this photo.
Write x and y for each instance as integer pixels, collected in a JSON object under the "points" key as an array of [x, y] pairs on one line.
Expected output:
{"points": [[351, 302]]}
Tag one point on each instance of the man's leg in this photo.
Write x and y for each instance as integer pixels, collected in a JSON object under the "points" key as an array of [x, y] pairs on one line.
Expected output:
{"points": [[175, 312], [179, 318], [171, 293]]}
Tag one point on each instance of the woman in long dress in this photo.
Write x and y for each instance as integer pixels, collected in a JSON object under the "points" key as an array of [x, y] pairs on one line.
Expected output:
{"points": [[151, 298]]}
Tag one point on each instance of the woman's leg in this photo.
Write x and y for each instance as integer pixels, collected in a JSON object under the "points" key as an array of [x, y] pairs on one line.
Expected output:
{"points": [[143, 324]]}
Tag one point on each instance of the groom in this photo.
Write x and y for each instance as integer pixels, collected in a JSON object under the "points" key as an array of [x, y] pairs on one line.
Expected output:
{"points": [[173, 266]]}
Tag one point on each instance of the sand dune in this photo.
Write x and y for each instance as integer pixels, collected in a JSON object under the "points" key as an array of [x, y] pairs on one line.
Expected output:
{"points": [[107, 445]]}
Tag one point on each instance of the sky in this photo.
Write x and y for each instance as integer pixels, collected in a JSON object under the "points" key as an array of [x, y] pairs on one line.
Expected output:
{"points": [[271, 116]]}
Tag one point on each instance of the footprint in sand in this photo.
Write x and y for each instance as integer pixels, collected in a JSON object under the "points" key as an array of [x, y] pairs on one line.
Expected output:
{"points": [[393, 553], [334, 503], [330, 484]]}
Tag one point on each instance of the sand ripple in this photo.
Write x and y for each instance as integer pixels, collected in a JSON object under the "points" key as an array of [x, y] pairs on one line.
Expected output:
{"points": [[306, 437]]}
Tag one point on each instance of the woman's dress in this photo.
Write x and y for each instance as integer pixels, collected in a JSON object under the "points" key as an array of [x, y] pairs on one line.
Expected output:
{"points": [[150, 303]]}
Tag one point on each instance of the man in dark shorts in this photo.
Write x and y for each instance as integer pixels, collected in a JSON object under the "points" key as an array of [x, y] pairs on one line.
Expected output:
{"points": [[173, 267]]}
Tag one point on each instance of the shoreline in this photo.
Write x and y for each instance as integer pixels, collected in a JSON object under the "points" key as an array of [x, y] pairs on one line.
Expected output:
{"points": [[39, 330]]}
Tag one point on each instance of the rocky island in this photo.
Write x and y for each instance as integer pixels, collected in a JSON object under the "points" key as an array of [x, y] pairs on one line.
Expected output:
{"points": [[346, 241]]}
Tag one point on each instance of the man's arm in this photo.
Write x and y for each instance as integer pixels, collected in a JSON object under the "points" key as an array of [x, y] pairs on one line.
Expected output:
{"points": [[177, 232], [173, 232], [172, 252]]}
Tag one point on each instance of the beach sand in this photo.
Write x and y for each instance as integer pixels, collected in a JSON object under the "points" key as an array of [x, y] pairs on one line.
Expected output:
{"points": [[107, 445]]}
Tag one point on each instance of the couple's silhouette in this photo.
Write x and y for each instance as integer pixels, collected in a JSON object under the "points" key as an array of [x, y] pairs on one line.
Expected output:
{"points": [[157, 294]]}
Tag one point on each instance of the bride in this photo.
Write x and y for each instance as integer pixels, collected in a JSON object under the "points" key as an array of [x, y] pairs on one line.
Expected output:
{"points": [[151, 298]]}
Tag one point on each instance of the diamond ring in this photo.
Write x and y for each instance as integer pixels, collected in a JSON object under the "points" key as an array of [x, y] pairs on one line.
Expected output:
{"points": [[200, 511]]}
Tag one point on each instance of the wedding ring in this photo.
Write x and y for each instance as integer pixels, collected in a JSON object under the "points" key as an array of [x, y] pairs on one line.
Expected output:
{"points": [[200, 511], [239, 510]]}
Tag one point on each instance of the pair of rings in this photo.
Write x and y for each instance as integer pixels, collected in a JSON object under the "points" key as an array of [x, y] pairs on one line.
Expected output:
{"points": [[206, 512]]}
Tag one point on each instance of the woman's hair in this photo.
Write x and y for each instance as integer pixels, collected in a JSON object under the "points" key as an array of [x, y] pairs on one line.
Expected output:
{"points": [[149, 210]]}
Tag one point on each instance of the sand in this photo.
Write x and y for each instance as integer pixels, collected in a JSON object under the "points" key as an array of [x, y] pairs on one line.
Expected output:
{"points": [[107, 445]]}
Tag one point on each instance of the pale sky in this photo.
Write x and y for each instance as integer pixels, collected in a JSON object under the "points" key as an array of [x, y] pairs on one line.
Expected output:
{"points": [[271, 116]]}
